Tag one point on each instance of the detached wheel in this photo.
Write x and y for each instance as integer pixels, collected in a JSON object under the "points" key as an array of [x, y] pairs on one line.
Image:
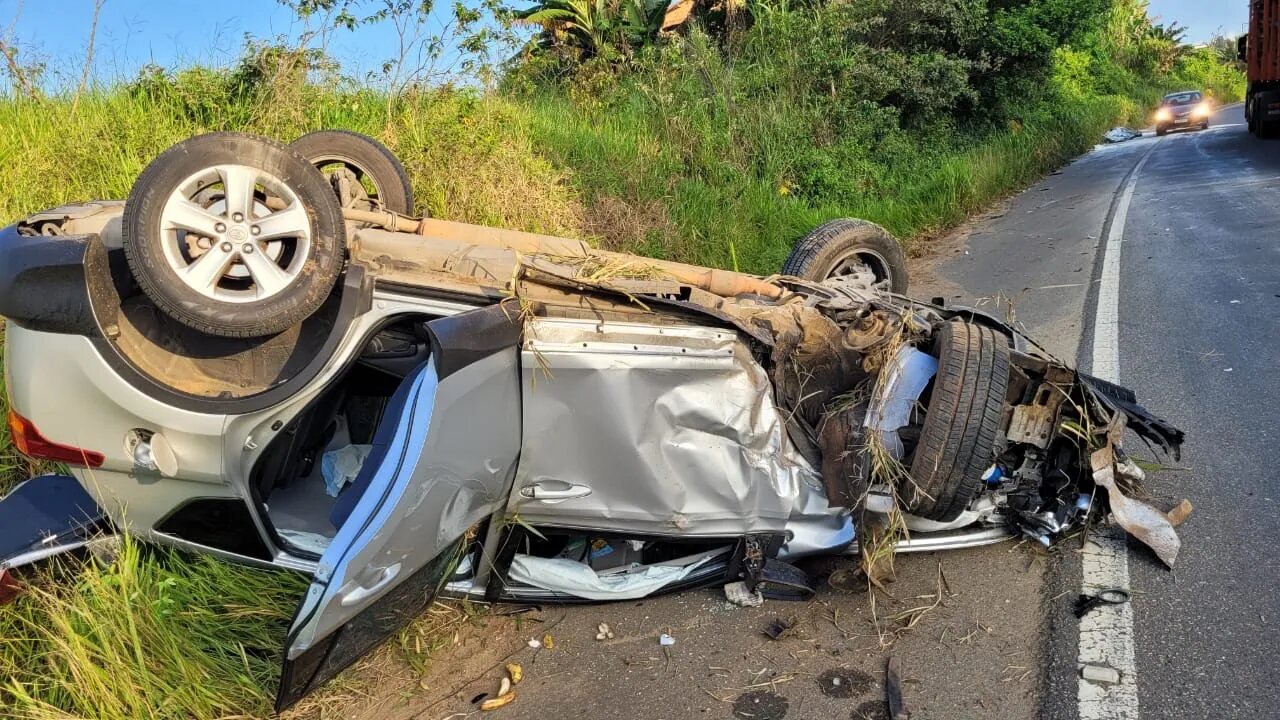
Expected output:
{"points": [[963, 420], [234, 235], [364, 174], [847, 247]]}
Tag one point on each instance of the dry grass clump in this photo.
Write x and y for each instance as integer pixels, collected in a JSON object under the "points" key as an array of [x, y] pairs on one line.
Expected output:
{"points": [[627, 225]]}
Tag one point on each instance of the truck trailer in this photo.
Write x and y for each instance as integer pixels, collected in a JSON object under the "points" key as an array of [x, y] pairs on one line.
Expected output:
{"points": [[1259, 49]]}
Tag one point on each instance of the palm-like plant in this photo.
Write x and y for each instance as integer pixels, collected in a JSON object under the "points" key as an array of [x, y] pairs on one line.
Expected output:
{"points": [[596, 26], [581, 23]]}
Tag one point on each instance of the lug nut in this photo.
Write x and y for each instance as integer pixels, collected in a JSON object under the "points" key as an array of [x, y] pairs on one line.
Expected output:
{"points": [[220, 227], [238, 217], [247, 248], [226, 247], [255, 230]]}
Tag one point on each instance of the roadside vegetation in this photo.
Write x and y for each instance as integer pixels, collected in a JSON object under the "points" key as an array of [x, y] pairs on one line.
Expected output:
{"points": [[719, 142]]}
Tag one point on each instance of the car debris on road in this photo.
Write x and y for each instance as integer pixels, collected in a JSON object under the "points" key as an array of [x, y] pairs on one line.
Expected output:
{"points": [[544, 421], [1120, 134]]}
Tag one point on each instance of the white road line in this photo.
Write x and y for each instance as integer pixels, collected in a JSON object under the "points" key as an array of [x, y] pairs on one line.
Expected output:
{"points": [[1106, 633]]}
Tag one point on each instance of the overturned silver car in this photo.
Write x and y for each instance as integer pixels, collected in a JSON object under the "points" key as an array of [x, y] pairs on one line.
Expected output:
{"points": [[269, 360]]}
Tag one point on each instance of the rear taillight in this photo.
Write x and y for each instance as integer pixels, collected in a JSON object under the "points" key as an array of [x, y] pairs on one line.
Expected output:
{"points": [[31, 443]]}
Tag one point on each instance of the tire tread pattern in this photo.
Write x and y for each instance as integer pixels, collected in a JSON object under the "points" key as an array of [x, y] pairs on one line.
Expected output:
{"points": [[958, 440], [814, 250]]}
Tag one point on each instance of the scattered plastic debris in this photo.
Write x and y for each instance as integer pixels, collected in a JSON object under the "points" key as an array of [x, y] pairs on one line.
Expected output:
{"points": [[893, 690], [666, 640], [1101, 674], [604, 632], [779, 628], [535, 643], [495, 703], [505, 692], [1121, 134], [1110, 596], [1151, 526], [738, 594], [548, 642]]}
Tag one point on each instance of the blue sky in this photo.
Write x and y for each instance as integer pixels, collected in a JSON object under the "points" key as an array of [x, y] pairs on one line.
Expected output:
{"points": [[134, 32]]}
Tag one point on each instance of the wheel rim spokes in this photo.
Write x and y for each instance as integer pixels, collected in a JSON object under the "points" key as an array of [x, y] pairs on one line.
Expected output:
{"points": [[268, 277], [182, 214], [225, 243], [239, 184], [208, 269]]}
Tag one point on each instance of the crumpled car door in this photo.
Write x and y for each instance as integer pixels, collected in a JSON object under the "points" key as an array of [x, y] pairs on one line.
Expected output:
{"points": [[449, 465]]}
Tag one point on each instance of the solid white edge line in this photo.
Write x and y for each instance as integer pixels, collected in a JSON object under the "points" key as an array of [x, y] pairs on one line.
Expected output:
{"points": [[1106, 633]]}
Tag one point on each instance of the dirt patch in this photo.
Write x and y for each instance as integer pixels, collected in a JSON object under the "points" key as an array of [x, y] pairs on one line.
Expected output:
{"points": [[871, 710], [760, 705], [843, 683]]}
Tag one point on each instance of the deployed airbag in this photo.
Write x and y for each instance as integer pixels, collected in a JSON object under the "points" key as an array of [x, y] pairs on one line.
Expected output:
{"points": [[578, 579]]}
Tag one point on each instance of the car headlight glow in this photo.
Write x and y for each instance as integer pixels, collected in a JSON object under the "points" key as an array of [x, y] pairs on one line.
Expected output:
{"points": [[1163, 114], [1202, 109]]}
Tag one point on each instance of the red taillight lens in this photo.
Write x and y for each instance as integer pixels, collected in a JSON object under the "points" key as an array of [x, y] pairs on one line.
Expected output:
{"points": [[31, 443]]}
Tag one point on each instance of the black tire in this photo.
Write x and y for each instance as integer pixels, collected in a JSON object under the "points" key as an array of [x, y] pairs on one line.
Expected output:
{"points": [[823, 252], [962, 425], [144, 239], [368, 158], [1160, 131]]}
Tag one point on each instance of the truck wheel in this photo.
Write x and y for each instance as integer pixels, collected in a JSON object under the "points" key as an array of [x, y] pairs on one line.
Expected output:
{"points": [[234, 235], [363, 172], [963, 421], [847, 246]]}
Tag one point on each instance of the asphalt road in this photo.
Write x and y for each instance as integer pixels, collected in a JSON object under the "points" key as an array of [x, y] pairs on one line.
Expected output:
{"points": [[1199, 337], [1199, 283], [1198, 291]]}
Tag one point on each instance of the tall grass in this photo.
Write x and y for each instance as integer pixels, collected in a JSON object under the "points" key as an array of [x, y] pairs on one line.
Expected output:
{"points": [[153, 634]]}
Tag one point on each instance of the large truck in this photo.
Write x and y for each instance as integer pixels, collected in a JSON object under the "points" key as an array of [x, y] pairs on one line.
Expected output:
{"points": [[1260, 51]]}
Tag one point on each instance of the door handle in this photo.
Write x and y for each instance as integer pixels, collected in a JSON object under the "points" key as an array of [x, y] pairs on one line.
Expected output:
{"points": [[362, 592], [547, 494]]}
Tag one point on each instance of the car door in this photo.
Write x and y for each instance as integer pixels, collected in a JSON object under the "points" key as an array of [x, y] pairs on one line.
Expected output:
{"points": [[448, 464]]}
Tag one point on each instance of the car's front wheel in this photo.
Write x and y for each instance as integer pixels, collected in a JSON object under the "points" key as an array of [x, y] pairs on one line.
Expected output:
{"points": [[962, 424], [234, 235]]}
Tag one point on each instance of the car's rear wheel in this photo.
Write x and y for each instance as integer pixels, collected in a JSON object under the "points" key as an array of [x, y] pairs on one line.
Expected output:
{"points": [[364, 174], [963, 421], [847, 247], [234, 235]]}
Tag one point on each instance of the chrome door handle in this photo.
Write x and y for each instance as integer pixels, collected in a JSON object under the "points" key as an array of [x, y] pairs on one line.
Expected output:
{"points": [[545, 493], [360, 593]]}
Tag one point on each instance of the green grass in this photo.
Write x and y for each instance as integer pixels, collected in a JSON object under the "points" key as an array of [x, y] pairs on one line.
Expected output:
{"points": [[154, 634]]}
